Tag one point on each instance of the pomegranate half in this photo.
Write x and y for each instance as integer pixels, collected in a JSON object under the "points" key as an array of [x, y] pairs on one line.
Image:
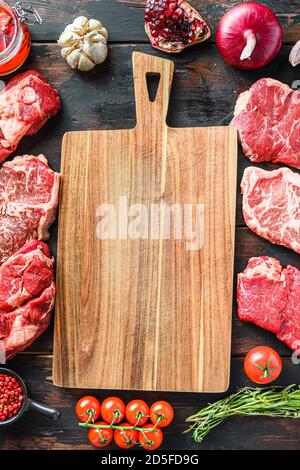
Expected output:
{"points": [[173, 25]]}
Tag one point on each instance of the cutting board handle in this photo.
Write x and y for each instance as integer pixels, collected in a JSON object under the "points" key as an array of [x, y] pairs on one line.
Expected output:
{"points": [[151, 112]]}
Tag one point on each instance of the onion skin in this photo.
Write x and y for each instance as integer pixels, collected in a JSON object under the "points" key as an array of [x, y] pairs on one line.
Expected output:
{"points": [[256, 23]]}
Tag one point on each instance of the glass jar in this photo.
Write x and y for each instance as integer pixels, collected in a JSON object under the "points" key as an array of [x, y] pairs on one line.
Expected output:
{"points": [[15, 40]]}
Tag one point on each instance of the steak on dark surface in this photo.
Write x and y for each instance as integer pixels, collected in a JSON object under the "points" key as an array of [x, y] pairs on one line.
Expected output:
{"points": [[29, 192], [26, 103], [269, 296], [271, 205], [25, 275], [27, 296], [267, 118]]}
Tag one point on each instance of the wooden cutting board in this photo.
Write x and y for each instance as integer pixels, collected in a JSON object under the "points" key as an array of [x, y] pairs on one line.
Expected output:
{"points": [[147, 308]]}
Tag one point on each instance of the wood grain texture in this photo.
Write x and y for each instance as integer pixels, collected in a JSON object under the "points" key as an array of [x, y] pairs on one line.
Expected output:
{"points": [[125, 18], [173, 302]]}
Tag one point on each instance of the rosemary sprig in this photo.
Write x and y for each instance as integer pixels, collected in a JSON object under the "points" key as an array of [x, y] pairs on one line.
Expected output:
{"points": [[273, 402]]}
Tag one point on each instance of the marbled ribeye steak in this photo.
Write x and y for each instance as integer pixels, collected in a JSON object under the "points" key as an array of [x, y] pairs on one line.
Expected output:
{"points": [[271, 205], [29, 192]]}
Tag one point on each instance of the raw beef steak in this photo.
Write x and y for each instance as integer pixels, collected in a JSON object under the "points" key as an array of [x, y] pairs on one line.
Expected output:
{"points": [[271, 205], [27, 297], [29, 192], [25, 275], [269, 296], [267, 118], [26, 103]]}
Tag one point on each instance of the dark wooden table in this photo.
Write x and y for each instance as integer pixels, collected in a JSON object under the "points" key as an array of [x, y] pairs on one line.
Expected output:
{"points": [[204, 93]]}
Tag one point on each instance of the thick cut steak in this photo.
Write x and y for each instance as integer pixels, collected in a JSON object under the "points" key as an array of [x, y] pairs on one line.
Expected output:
{"points": [[269, 296], [26, 103], [25, 275], [271, 205], [29, 192], [27, 296], [267, 118]]}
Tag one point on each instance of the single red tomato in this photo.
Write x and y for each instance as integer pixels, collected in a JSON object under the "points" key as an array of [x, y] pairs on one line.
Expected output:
{"points": [[161, 414], [137, 412], [113, 410], [263, 365], [127, 438], [88, 409], [151, 440], [100, 437]]}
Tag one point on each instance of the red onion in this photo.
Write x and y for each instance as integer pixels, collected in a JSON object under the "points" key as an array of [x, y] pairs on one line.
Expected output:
{"points": [[249, 36]]}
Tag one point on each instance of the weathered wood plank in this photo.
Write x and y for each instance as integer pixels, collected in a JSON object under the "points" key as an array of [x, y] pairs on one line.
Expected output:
{"points": [[125, 18], [258, 433]]}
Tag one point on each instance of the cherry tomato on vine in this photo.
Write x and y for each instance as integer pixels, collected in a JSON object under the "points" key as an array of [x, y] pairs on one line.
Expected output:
{"points": [[263, 365], [151, 440], [113, 410], [137, 412], [161, 414], [88, 409], [100, 437], [127, 438]]}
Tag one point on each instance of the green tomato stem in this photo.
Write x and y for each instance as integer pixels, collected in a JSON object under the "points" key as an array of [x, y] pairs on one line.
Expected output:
{"points": [[121, 428]]}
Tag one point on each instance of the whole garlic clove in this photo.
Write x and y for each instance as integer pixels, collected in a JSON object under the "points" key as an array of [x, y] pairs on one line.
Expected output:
{"points": [[94, 25], [68, 38], [73, 58], [95, 36], [85, 64], [66, 51], [104, 32], [295, 54], [97, 52], [70, 27], [80, 25]]}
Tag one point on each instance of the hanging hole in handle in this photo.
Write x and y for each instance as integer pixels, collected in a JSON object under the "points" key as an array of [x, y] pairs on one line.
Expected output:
{"points": [[153, 80]]}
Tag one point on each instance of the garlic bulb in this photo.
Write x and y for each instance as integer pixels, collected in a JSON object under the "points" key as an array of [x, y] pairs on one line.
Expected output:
{"points": [[84, 44]]}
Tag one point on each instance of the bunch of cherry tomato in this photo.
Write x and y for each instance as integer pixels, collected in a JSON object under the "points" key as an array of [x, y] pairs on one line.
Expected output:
{"points": [[125, 425]]}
